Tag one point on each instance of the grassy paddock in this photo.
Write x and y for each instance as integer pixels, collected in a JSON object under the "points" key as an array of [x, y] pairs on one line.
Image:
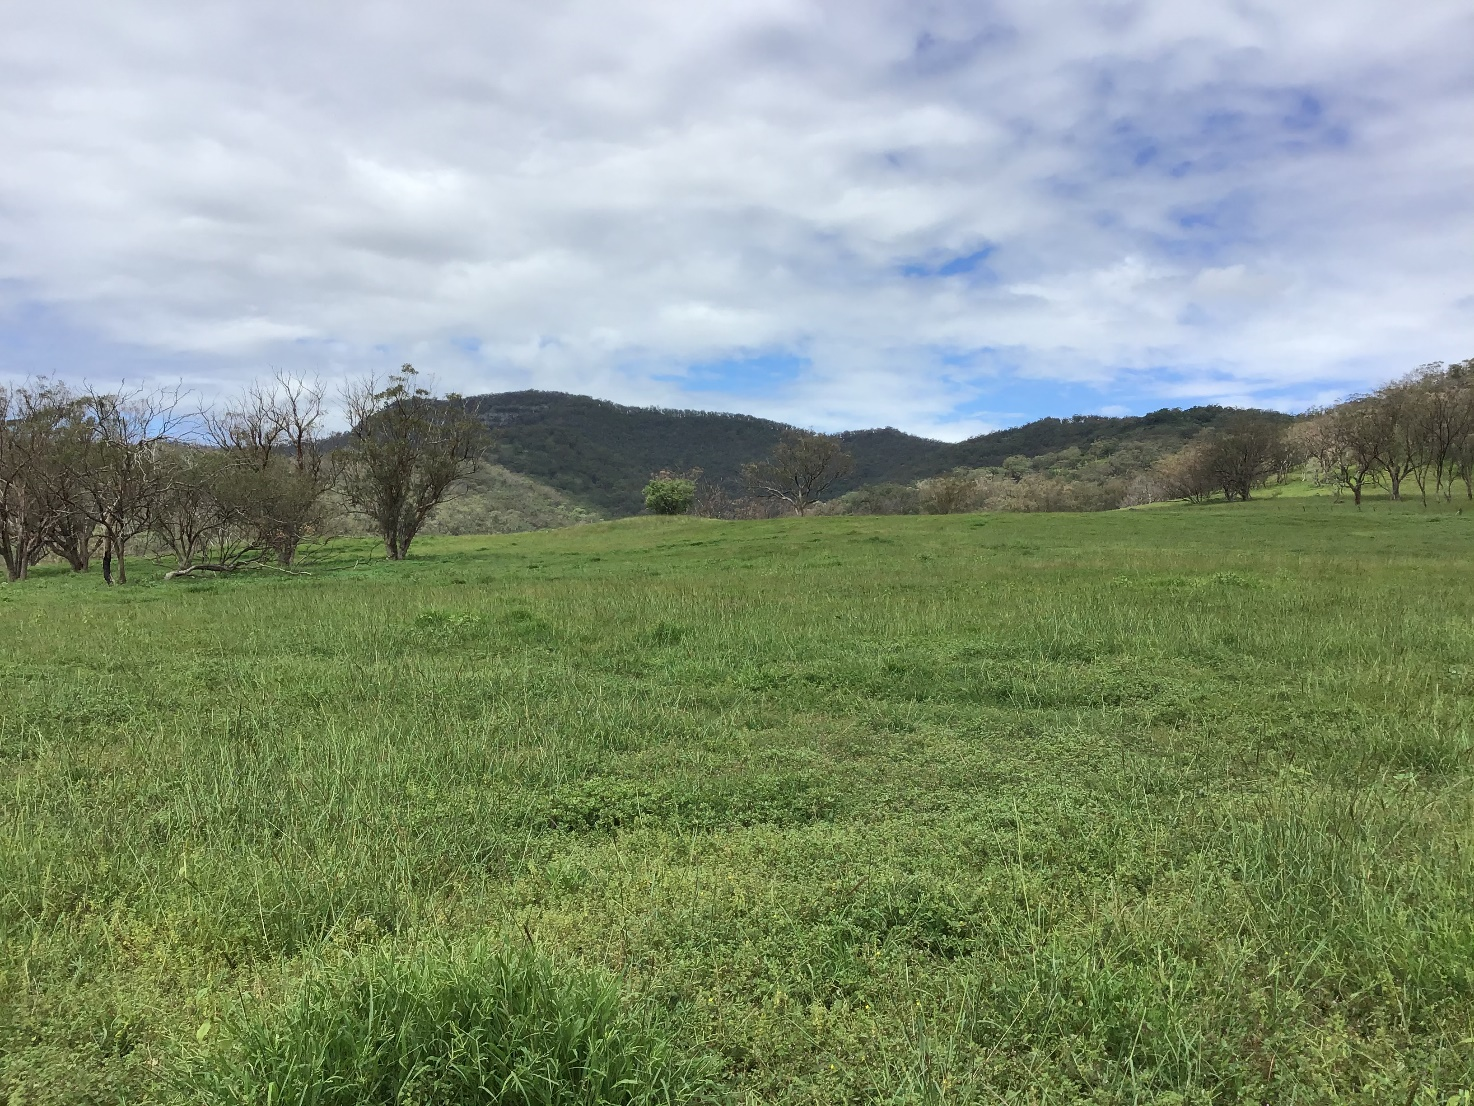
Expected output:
{"points": [[1164, 806]]}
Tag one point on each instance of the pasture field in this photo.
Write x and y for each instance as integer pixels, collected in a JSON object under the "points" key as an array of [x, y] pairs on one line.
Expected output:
{"points": [[1161, 806]]}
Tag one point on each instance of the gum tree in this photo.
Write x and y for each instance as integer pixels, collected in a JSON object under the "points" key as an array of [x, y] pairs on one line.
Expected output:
{"points": [[802, 467], [406, 451]]}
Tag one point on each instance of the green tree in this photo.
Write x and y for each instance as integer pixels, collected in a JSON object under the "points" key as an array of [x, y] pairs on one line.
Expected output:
{"points": [[666, 494], [406, 452], [1016, 467]]}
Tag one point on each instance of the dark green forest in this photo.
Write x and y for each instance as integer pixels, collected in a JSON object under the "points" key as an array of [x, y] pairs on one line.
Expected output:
{"points": [[601, 453]]}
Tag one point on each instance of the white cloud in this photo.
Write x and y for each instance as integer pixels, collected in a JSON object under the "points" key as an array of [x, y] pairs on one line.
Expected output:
{"points": [[1200, 199]]}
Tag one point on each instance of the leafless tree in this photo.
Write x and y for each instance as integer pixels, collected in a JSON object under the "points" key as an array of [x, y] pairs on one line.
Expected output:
{"points": [[1461, 449], [1348, 442], [1398, 439], [273, 432], [1188, 474], [121, 471], [23, 507], [407, 450], [802, 467], [194, 512], [42, 431], [1437, 415], [1242, 455], [1146, 487]]}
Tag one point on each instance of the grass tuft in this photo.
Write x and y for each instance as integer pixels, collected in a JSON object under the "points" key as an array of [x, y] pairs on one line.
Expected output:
{"points": [[434, 1027]]}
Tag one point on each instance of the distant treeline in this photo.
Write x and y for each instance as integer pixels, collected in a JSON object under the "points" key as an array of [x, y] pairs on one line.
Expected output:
{"points": [[1417, 431], [602, 454], [247, 483]]}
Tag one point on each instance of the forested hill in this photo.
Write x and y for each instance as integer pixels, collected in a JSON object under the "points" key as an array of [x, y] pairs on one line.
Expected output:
{"points": [[603, 453], [1169, 428]]}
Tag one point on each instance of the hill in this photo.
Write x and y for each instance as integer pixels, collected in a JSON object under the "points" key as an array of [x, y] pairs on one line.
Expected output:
{"points": [[602, 453]]}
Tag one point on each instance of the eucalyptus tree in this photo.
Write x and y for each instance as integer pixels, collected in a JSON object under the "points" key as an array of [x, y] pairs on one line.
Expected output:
{"points": [[801, 468], [407, 450], [1348, 442]]}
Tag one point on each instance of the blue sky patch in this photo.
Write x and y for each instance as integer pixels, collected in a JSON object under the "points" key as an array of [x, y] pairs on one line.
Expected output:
{"points": [[961, 265], [759, 374]]}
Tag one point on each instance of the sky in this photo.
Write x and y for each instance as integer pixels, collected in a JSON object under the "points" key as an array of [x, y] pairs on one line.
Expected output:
{"points": [[944, 217]]}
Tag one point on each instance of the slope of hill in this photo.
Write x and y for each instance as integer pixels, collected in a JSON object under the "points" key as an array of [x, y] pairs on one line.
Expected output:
{"points": [[602, 453], [497, 501], [1169, 428]]}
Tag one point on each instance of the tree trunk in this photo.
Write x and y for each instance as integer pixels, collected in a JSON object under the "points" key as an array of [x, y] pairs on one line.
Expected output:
{"points": [[1356, 494]]}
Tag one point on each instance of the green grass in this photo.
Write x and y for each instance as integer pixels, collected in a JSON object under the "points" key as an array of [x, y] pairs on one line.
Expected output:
{"points": [[441, 1028], [1161, 806]]}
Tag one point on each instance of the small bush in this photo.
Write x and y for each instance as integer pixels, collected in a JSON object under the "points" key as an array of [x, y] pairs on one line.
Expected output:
{"points": [[669, 496], [489, 1027]]}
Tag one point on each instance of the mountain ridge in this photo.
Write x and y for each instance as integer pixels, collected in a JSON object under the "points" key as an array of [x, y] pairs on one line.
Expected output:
{"points": [[601, 453]]}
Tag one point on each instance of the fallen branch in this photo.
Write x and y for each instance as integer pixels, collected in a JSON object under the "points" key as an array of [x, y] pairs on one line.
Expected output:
{"points": [[190, 570]]}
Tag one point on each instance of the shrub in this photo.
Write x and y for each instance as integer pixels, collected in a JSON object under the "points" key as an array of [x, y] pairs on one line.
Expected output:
{"points": [[874, 499], [949, 494], [487, 1027], [669, 495]]}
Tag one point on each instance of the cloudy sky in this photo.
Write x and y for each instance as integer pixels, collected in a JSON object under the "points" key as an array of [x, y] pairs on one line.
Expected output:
{"points": [[943, 216]]}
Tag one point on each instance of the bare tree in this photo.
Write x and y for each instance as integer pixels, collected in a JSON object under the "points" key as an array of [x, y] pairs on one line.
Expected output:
{"points": [[1188, 474], [44, 432], [1146, 487], [1399, 443], [193, 510], [1438, 417], [1461, 449], [1289, 454], [23, 507], [1348, 442], [802, 467], [1242, 455], [407, 450], [122, 471], [272, 431]]}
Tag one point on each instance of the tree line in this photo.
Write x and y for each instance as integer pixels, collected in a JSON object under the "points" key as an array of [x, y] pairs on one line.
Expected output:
{"points": [[245, 483], [241, 484], [1415, 431], [792, 479], [1418, 429]]}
